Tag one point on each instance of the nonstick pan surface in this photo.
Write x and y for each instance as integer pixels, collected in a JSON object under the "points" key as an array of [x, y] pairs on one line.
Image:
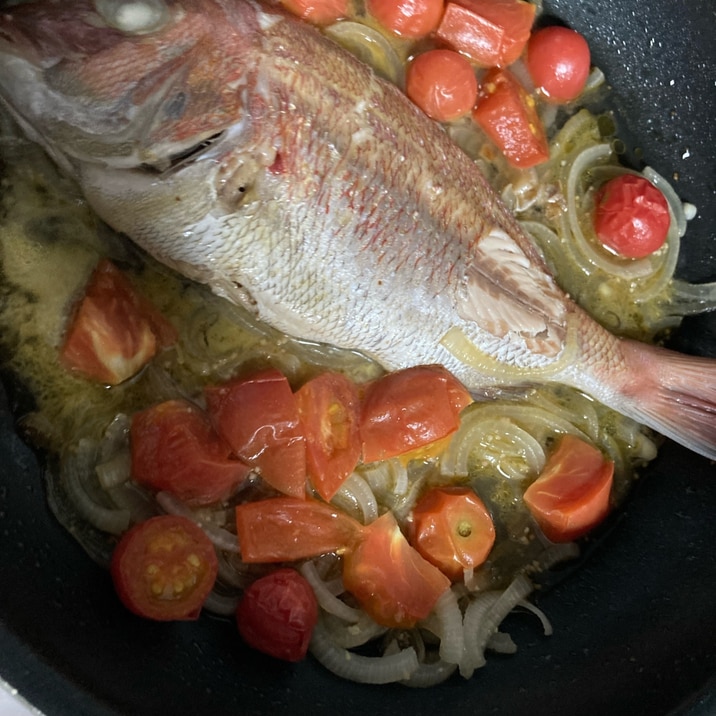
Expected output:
{"points": [[634, 626]]}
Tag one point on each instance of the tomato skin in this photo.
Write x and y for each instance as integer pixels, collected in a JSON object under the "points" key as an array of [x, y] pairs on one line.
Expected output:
{"points": [[442, 83], [319, 12], [164, 568], [174, 448], [631, 216], [114, 331], [408, 18], [258, 416], [508, 115], [277, 615], [408, 409], [392, 582], [452, 529], [571, 495], [558, 61], [329, 408], [492, 33], [285, 529]]}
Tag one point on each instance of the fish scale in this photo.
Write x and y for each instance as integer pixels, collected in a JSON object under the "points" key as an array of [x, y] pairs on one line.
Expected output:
{"points": [[317, 194]]}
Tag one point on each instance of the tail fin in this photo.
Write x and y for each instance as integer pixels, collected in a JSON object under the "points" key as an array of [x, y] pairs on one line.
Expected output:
{"points": [[673, 393]]}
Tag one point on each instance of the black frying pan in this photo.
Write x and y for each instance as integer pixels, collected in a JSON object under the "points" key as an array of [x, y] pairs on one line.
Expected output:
{"points": [[635, 627]]}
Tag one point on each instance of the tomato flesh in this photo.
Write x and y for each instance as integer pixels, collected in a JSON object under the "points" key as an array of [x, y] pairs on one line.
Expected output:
{"points": [[492, 33], [571, 495], [442, 83], [329, 408], [408, 18], [508, 115], [558, 61], [285, 529], [632, 216], [409, 409], [277, 615], [392, 582], [258, 416], [174, 448], [164, 568], [453, 530], [114, 331]]}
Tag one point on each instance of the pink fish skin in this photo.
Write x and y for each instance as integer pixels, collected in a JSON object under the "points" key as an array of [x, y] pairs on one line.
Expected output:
{"points": [[249, 152]]}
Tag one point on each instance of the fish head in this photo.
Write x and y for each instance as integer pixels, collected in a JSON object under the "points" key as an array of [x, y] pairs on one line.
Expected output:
{"points": [[126, 83]]}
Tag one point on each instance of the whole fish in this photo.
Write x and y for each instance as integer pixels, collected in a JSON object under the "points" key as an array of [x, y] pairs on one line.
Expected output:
{"points": [[248, 151]]}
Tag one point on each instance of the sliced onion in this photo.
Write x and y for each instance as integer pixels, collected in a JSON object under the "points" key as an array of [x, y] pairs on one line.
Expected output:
{"points": [[427, 675], [546, 624], [355, 495], [450, 629], [363, 669], [221, 538], [501, 643], [221, 604], [326, 599]]}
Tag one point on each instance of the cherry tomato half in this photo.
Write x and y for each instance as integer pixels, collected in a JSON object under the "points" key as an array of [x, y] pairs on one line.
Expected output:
{"points": [[284, 529], [174, 448], [329, 407], [277, 615], [164, 568], [407, 18], [409, 409], [492, 33], [571, 496], [258, 416], [558, 61], [389, 578], [114, 330], [631, 216], [452, 529], [442, 83], [508, 115]]}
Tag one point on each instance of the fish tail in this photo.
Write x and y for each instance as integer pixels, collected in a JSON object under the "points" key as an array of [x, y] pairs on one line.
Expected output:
{"points": [[672, 393]]}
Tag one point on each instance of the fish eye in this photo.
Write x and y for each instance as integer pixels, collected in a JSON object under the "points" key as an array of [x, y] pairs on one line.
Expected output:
{"points": [[135, 17]]}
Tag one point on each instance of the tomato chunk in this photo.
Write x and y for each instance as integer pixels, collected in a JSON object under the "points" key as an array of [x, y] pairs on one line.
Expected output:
{"points": [[492, 33], [319, 12], [277, 615], [164, 568], [407, 18], [632, 216], [507, 114], [452, 529], [284, 529], [329, 407], [571, 496], [258, 416], [175, 448], [442, 83], [114, 330], [409, 409], [389, 578], [558, 60]]}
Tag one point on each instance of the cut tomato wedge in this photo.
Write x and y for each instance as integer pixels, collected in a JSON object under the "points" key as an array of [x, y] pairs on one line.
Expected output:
{"points": [[329, 407], [284, 529], [571, 495], [164, 568], [258, 416], [492, 33], [408, 409], [452, 529], [175, 448], [508, 115], [392, 582], [114, 331]]}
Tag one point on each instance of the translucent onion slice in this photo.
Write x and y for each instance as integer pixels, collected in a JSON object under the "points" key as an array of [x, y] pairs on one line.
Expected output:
{"points": [[325, 597], [356, 496], [362, 669], [449, 620], [430, 674], [369, 46]]}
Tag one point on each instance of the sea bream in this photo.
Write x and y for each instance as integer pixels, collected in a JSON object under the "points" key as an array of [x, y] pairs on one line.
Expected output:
{"points": [[247, 150]]}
